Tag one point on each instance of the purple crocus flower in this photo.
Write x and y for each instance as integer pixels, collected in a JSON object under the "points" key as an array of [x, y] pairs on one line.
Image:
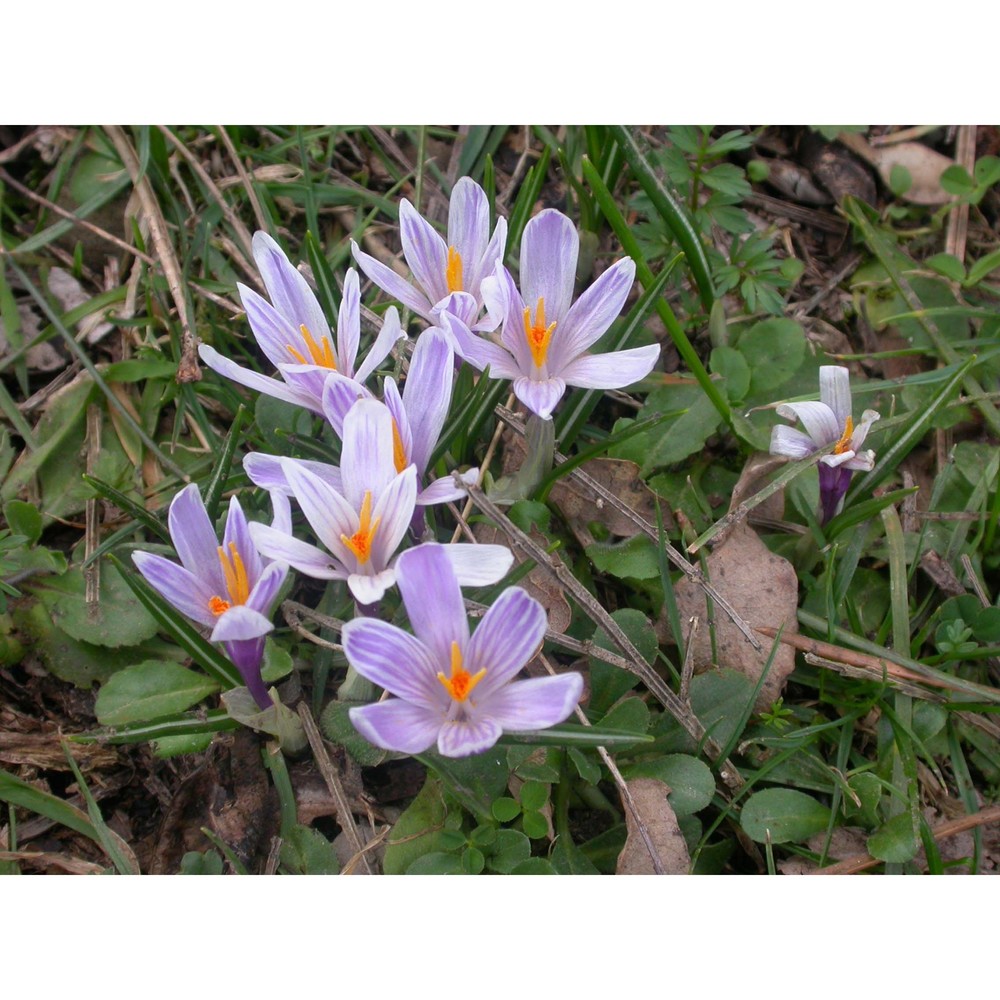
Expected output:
{"points": [[450, 688], [228, 587], [447, 275], [294, 335], [362, 523], [545, 335], [826, 423]]}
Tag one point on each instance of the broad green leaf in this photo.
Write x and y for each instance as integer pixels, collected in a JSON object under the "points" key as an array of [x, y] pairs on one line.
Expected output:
{"points": [[307, 852], [437, 863], [690, 779], [510, 849], [787, 816], [635, 558], [418, 831], [150, 690], [23, 519], [176, 746], [948, 265], [732, 365], [895, 841], [608, 683], [774, 349]]}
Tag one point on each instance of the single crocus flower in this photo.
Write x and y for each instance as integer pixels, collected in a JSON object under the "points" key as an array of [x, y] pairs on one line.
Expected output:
{"points": [[545, 336], [362, 523], [293, 333], [227, 588], [826, 423], [448, 275], [451, 688]]}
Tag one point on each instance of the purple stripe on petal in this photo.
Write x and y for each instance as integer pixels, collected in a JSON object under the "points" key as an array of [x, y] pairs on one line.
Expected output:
{"points": [[433, 599], [818, 419], [425, 251], [266, 472], [611, 371], [391, 283], [507, 637], [491, 256], [465, 737], [535, 703], [329, 514], [835, 391], [370, 588], [468, 226], [177, 586], [366, 461], [397, 725], [427, 393], [339, 395], [394, 660], [254, 380], [287, 289], [394, 403], [238, 533], [390, 332], [592, 314], [539, 397], [271, 330], [306, 558], [194, 538], [791, 442], [549, 250], [395, 508], [265, 592], [443, 490]]}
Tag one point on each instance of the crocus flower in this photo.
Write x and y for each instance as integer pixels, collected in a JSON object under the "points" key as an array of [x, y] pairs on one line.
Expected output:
{"points": [[363, 522], [545, 335], [447, 275], [826, 423], [452, 688], [294, 335], [228, 587]]}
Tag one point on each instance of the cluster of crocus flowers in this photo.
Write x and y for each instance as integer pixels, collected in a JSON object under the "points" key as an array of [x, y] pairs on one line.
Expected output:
{"points": [[452, 689], [827, 422], [544, 335], [228, 588]]}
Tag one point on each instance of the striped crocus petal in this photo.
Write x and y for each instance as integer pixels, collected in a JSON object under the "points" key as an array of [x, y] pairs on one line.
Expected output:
{"points": [[267, 472], [451, 688]]}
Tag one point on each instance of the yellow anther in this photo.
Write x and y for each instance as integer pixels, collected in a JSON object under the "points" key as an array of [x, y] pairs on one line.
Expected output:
{"points": [[235, 573], [453, 272], [844, 444], [537, 334], [461, 682], [398, 448], [360, 543], [321, 353]]}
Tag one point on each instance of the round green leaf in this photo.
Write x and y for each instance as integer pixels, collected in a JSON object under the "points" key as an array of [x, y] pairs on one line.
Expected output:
{"points": [[150, 690], [534, 866], [774, 349], [509, 849], [733, 367], [473, 861], [437, 863], [788, 815], [691, 783], [504, 810], [895, 841], [986, 625], [535, 825], [534, 795]]}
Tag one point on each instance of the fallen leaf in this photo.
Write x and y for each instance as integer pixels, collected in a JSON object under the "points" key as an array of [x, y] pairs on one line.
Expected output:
{"points": [[763, 588], [923, 164], [650, 798]]}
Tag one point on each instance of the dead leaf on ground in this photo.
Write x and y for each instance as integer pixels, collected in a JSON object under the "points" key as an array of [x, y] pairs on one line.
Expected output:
{"points": [[763, 589], [923, 164], [650, 798], [543, 587]]}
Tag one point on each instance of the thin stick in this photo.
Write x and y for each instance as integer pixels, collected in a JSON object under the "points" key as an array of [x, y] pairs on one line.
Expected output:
{"points": [[258, 212], [344, 816]]}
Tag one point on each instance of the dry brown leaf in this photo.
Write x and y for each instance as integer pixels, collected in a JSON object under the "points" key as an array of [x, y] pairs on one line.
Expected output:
{"points": [[650, 798], [923, 164], [764, 590], [538, 583]]}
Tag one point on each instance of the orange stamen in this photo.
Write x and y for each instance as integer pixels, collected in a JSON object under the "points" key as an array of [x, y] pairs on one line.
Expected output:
{"points": [[453, 272], [538, 334], [321, 353], [360, 543], [235, 573], [218, 606], [844, 444], [461, 682], [398, 449]]}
